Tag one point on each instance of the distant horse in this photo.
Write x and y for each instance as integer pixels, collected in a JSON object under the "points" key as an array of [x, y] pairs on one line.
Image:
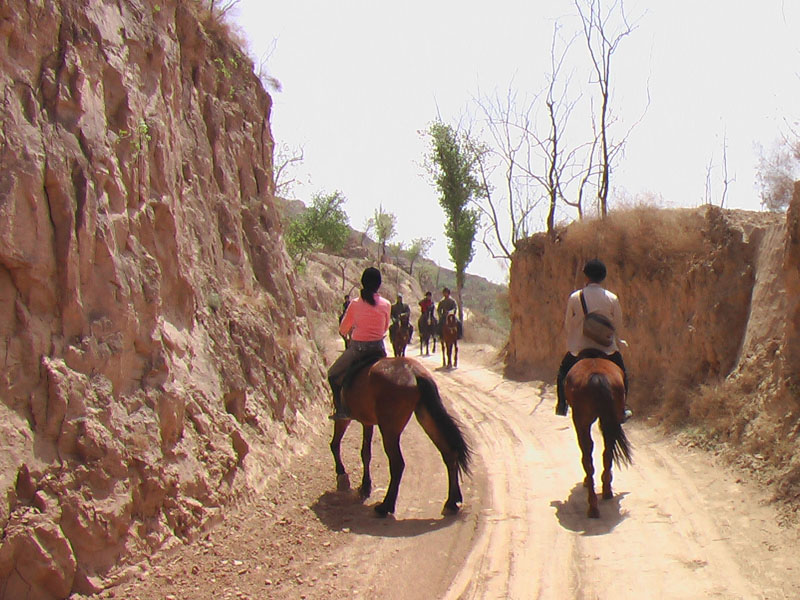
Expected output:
{"points": [[400, 334], [426, 326], [450, 340], [386, 394], [595, 389]]}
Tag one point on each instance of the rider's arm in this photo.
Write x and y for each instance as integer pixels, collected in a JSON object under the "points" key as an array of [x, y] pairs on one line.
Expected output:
{"points": [[346, 326], [616, 317]]}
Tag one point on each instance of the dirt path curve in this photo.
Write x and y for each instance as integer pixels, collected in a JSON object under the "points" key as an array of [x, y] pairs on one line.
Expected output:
{"points": [[680, 525]]}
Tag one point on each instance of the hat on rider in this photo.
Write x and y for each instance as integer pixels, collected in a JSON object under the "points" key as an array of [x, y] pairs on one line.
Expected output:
{"points": [[595, 270]]}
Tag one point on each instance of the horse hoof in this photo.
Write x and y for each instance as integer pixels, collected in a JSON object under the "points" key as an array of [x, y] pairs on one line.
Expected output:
{"points": [[342, 482], [364, 492], [594, 513], [382, 510], [608, 495], [450, 508]]}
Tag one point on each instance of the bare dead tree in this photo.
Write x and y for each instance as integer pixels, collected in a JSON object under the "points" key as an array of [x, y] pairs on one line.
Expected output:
{"points": [[219, 8], [709, 168], [602, 44], [725, 179], [535, 166], [506, 126], [342, 264], [262, 70], [285, 159]]}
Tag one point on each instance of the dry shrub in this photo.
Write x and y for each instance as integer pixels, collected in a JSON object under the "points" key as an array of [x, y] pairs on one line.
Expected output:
{"points": [[655, 237], [216, 18]]}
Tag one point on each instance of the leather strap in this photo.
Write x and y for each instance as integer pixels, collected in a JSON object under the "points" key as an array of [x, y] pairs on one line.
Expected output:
{"points": [[583, 303]]}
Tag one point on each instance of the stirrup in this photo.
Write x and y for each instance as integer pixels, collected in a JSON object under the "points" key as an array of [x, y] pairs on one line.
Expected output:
{"points": [[627, 414]]}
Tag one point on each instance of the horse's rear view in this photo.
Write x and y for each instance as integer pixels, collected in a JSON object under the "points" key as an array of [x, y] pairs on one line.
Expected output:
{"points": [[386, 394], [450, 340], [595, 389]]}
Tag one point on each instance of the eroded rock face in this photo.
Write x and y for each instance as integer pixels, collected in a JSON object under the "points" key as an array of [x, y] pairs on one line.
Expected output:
{"points": [[699, 289], [154, 352]]}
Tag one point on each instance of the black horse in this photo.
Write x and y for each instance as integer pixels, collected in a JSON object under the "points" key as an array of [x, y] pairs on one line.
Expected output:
{"points": [[426, 326]]}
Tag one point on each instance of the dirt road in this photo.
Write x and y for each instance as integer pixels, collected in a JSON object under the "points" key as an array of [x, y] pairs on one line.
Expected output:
{"points": [[680, 525]]}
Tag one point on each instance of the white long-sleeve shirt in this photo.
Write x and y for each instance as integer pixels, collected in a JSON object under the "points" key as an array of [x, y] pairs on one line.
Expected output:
{"points": [[598, 299]]}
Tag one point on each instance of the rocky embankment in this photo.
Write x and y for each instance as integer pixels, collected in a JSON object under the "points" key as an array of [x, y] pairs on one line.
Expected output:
{"points": [[156, 360]]}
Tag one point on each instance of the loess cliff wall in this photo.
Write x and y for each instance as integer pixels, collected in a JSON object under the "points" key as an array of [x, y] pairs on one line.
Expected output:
{"points": [[711, 315], [156, 361]]}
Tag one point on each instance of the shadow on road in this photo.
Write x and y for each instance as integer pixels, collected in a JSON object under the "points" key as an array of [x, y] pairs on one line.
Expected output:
{"points": [[344, 510], [571, 514]]}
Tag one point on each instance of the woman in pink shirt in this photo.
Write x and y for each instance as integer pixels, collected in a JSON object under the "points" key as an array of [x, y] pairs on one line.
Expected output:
{"points": [[366, 319]]}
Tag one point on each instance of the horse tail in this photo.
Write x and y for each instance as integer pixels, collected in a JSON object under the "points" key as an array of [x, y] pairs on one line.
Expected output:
{"points": [[613, 435], [449, 427]]}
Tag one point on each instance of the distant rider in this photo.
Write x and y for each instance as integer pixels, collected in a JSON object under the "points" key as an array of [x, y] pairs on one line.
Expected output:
{"points": [[446, 305], [426, 303], [399, 308]]}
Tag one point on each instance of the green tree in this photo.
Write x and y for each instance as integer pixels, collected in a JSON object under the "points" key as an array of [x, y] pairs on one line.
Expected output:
{"points": [[453, 164], [419, 248], [385, 228], [323, 226]]}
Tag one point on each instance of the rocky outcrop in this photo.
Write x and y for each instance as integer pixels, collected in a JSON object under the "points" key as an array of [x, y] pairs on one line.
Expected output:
{"points": [[156, 360]]}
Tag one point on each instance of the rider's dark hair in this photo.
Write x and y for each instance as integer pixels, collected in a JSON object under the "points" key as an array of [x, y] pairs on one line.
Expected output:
{"points": [[595, 270], [370, 282]]}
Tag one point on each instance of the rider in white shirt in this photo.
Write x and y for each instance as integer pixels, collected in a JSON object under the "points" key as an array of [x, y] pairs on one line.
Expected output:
{"points": [[599, 300]]}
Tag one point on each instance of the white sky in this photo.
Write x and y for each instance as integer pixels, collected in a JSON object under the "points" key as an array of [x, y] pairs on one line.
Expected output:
{"points": [[362, 78]]}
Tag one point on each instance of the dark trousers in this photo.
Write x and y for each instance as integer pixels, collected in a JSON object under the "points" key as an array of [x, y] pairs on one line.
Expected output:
{"points": [[569, 361]]}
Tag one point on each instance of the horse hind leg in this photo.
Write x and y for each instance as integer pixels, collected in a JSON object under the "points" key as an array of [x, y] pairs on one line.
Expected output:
{"points": [[449, 456], [606, 477], [455, 358], [342, 479], [391, 444], [586, 444], [366, 457]]}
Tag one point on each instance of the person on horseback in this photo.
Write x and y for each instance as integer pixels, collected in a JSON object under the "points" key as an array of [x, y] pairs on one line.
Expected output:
{"points": [[399, 309], [602, 301], [366, 321], [446, 305], [345, 304], [426, 303]]}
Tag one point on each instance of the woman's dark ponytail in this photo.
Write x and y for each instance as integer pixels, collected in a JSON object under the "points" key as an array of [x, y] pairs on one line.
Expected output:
{"points": [[370, 282]]}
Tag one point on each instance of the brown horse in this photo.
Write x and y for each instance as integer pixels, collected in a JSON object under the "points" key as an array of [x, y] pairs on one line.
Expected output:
{"points": [[400, 334], [450, 341], [426, 327], [595, 388], [386, 394]]}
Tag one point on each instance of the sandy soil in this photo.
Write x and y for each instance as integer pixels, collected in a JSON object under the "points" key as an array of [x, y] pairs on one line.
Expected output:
{"points": [[681, 524]]}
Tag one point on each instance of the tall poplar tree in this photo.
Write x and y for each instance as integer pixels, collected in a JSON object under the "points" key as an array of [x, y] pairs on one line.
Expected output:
{"points": [[452, 164]]}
